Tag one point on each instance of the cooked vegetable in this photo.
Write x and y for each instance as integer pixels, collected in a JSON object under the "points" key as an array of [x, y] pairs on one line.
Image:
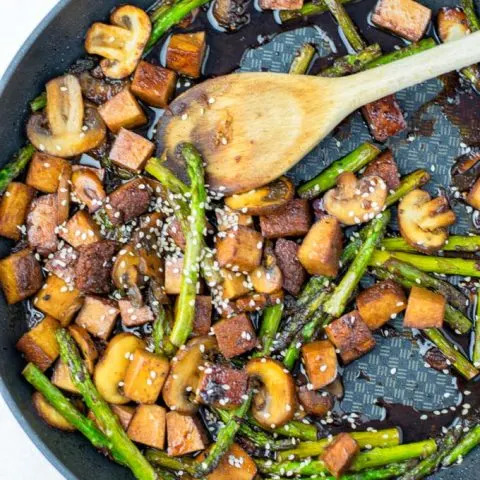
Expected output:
{"points": [[14, 168], [465, 445], [148, 426], [39, 103], [280, 4], [173, 275], [472, 18], [407, 184], [131, 151], [49, 414], [308, 9], [339, 454], [44, 172], [267, 278], [185, 53], [268, 329], [275, 403], [88, 188], [111, 369], [314, 402], [121, 43], [302, 60], [234, 284], [185, 434], [476, 338], [69, 127], [235, 335], [352, 63], [345, 23], [263, 200], [63, 194], [320, 361], [455, 243], [42, 221], [14, 207], [294, 275], [353, 162]]}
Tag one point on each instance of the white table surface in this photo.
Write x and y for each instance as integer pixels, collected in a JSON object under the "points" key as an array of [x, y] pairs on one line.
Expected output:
{"points": [[19, 458]]}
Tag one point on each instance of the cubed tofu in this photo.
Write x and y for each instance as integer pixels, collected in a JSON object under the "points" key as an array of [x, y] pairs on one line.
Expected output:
{"points": [[44, 171], [280, 4], [235, 284], [185, 53], [134, 316], [425, 309], [42, 224], [339, 454], [62, 263], [145, 377], [384, 118], [39, 345], [254, 302], [59, 300], [292, 220], [381, 302], [320, 360], [131, 151], [406, 18], [93, 269], [240, 248], [203, 315], [386, 168], [351, 335], [222, 387], [320, 250], [98, 316], [153, 84], [87, 188], [129, 201], [185, 434], [14, 207], [235, 335], [80, 230], [473, 197], [173, 275], [294, 275], [20, 276], [148, 426], [122, 111], [61, 378]]}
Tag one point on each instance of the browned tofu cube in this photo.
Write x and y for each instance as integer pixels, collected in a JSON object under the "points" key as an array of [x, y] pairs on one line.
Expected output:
{"points": [[320, 250], [293, 220], [185, 434], [93, 270], [14, 207], [235, 284], [339, 454], [235, 464], [131, 151], [351, 335], [381, 302], [240, 248], [222, 387], [384, 118], [87, 187], [39, 345], [294, 275], [148, 426], [44, 171], [425, 309], [203, 315], [80, 230], [254, 302], [473, 197], [128, 201], [320, 362], [235, 335], [406, 18], [20, 276], [122, 111], [98, 316], [386, 168], [153, 84], [62, 263], [42, 224], [145, 376], [280, 4], [59, 300], [134, 316], [185, 53], [173, 275]]}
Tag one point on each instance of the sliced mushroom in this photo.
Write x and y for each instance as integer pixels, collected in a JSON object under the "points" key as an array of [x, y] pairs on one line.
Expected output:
{"points": [[315, 402], [121, 43], [275, 403], [267, 278], [126, 274], [88, 188], [50, 414], [63, 194], [466, 170], [86, 344], [69, 127], [452, 24], [182, 381], [423, 221], [354, 200], [263, 200]]}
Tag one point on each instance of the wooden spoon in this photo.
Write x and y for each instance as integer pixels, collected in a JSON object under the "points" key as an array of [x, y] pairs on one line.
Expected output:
{"points": [[253, 127]]}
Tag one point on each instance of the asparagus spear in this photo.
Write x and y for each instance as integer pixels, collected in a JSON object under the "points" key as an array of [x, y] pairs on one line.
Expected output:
{"points": [[62, 404], [302, 60], [159, 9], [464, 446], [353, 63], [327, 179], [39, 103], [448, 266], [469, 8], [337, 302], [408, 183], [161, 330], [381, 438], [457, 359], [347, 26], [378, 457], [292, 429], [308, 9], [455, 243], [165, 176], [185, 311], [476, 337], [121, 444], [162, 459], [268, 330], [16, 166]]}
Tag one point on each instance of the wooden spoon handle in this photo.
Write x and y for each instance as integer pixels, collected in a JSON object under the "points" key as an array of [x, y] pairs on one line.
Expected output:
{"points": [[371, 85]]}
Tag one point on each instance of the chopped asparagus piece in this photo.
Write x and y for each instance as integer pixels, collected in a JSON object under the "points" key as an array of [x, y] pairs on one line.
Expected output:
{"points": [[268, 330], [302, 60], [353, 63], [455, 243], [465, 445], [16, 166]]}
